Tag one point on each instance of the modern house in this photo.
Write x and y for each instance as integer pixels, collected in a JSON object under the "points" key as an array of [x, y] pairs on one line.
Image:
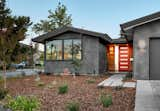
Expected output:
{"points": [[138, 49], [59, 47], [144, 34]]}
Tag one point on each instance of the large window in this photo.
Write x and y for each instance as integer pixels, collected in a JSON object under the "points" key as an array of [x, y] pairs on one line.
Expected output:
{"points": [[67, 49], [64, 49], [54, 50]]}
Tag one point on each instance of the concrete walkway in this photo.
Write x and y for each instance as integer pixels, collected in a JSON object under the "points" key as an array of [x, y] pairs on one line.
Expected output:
{"points": [[147, 96], [116, 80]]}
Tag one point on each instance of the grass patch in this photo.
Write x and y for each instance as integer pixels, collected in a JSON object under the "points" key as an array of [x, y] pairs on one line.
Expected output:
{"points": [[22, 103], [106, 100], [63, 89], [72, 106], [90, 81], [40, 84]]}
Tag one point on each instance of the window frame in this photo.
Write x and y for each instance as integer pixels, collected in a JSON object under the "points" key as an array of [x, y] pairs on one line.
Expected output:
{"points": [[52, 52], [81, 47], [63, 49]]}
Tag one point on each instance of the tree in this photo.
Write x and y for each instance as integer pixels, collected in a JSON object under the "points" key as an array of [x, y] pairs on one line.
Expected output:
{"points": [[12, 30], [21, 52], [56, 19], [76, 62]]}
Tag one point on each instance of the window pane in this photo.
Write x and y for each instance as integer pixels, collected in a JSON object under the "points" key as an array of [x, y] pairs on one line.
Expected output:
{"points": [[77, 53], [54, 50], [67, 49], [48, 51]]}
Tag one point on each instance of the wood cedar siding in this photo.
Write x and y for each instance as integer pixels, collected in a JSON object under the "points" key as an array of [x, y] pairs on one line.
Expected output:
{"points": [[110, 57]]}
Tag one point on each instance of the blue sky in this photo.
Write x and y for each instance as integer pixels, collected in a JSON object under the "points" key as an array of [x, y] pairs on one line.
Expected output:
{"points": [[97, 15]]}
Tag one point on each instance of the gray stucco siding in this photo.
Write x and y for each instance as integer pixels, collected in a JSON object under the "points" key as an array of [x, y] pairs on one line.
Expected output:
{"points": [[102, 58], [90, 55], [141, 56]]}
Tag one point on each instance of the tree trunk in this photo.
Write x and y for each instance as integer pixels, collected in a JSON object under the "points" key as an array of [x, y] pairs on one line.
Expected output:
{"points": [[4, 75]]}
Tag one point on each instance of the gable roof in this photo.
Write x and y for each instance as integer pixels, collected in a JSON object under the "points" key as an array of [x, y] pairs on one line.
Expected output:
{"points": [[140, 21], [42, 38]]}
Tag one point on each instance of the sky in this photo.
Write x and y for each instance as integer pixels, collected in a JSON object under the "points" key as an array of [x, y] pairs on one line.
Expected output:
{"points": [[97, 15]]}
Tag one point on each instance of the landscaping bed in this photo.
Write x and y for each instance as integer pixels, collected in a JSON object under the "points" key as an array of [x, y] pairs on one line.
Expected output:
{"points": [[81, 89]]}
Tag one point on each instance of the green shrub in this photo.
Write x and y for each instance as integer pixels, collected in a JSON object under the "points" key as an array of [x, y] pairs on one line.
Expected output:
{"points": [[1, 78], [106, 100], [72, 106], [22, 103], [40, 84], [63, 89], [3, 93], [90, 81], [76, 62]]}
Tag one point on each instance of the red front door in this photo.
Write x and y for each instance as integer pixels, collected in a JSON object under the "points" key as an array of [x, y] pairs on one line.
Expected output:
{"points": [[124, 56]]}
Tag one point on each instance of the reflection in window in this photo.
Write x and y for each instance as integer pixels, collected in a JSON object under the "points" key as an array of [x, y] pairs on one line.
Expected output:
{"points": [[54, 50], [77, 53], [67, 49], [71, 49]]}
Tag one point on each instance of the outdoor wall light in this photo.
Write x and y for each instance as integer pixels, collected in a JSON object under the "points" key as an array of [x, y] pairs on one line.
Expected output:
{"points": [[142, 47], [142, 44]]}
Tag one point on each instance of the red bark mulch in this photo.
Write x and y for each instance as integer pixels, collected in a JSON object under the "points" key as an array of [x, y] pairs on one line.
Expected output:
{"points": [[87, 94]]}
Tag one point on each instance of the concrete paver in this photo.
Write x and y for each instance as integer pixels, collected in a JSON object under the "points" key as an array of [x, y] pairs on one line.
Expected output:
{"points": [[129, 84], [116, 80], [117, 83]]}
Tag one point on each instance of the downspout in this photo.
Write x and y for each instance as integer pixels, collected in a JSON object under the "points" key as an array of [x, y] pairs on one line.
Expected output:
{"points": [[123, 33]]}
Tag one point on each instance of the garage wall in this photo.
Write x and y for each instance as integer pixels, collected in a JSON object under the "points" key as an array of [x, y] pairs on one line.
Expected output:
{"points": [[141, 37]]}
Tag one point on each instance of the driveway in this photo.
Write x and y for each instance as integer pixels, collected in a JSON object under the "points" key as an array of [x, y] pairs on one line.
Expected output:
{"points": [[147, 95]]}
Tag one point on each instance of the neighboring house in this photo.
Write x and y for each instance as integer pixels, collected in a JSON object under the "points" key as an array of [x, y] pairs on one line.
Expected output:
{"points": [[59, 45], [137, 49]]}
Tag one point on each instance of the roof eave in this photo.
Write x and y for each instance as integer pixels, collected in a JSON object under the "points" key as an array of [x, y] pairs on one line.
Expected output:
{"points": [[42, 38], [139, 24]]}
